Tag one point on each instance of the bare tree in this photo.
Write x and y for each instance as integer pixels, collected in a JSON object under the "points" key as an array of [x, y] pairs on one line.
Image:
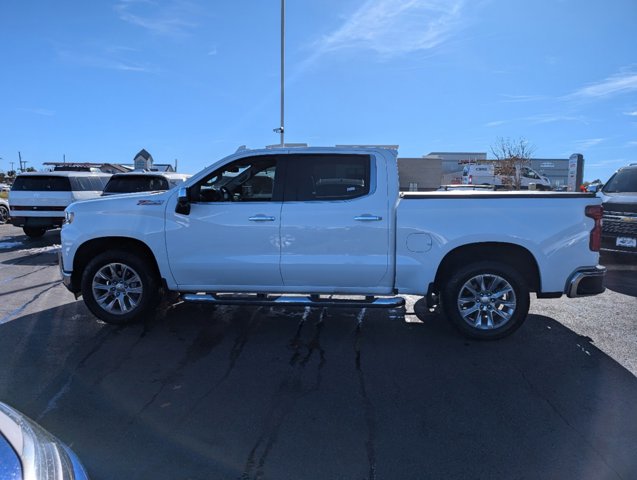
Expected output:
{"points": [[512, 156]]}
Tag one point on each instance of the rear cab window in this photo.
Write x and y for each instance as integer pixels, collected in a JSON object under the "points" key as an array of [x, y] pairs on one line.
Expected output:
{"points": [[136, 183], [41, 183]]}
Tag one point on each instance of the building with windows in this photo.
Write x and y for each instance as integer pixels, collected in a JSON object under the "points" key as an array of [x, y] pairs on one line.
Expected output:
{"points": [[445, 168]]}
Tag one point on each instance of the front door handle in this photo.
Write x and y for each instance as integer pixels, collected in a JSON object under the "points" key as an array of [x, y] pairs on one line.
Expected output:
{"points": [[261, 218], [368, 218]]}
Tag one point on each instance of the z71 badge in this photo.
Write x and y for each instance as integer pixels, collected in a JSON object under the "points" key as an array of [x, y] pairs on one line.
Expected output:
{"points": [[150, 202]]}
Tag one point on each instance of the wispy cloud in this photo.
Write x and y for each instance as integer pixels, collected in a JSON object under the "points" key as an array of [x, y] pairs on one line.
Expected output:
{"points": [[38, 111], [104, 61], [623, 82], [507, 98], [539, 119], [395, 27], [552, 60], [588, 143], [632, 143], [552, 118], [606, 163], [632, 114], [173, 18]]}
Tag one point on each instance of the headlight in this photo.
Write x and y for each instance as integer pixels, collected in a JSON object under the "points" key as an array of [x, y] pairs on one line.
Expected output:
{"points": [[68, 217], [41, 454]]}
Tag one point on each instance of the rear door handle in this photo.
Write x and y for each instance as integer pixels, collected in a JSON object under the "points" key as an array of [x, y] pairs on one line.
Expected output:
{"points": [[261, 218], [368, 218]]}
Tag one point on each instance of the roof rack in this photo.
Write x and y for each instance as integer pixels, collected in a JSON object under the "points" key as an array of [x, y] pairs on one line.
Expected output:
{"points": [[287, 145], [388, 147]]}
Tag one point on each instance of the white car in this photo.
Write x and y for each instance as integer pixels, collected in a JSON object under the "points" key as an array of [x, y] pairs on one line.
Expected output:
{"points": [[37, 199]]}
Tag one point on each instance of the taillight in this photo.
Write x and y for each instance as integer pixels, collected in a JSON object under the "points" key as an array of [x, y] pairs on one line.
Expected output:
{"points": [[595, 212]]}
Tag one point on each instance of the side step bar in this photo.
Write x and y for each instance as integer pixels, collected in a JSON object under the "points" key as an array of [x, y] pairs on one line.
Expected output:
{"points": [[261, 300]]}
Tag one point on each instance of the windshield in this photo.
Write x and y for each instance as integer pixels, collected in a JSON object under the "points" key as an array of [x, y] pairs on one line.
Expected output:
{"points": [[136, 183], [624, 181]]}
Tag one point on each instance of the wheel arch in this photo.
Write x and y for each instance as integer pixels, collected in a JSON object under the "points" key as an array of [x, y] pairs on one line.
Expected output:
{"points": [[91, 248], [516, 256]]}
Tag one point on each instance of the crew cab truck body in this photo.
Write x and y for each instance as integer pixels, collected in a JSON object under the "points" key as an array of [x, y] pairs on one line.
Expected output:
{"points": [[321, 221]]}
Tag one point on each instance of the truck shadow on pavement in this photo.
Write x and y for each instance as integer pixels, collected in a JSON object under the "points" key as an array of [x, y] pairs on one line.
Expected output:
{"points": [[239, 392], [621, 276], [35, 251]]}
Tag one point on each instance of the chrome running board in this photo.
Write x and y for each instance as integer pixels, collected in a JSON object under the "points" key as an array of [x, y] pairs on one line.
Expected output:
{"points": [[261, 300]]}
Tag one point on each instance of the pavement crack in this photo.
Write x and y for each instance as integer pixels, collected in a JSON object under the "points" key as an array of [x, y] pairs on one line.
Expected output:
{"points": [[239, 344], [11, 279], [235, 353], [557, 411], [291, 389], [20, 309], [52, 404], [283, 401], [368, 407], [123, 359]]}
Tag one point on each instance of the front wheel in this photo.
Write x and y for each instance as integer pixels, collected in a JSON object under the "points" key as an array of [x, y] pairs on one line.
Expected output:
{"points": [[4, 214], [120, 287], [486, 300]]}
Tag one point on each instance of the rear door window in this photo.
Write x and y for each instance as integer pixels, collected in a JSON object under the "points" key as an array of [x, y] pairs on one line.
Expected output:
{"points": [[328, 177], [41, 183]]}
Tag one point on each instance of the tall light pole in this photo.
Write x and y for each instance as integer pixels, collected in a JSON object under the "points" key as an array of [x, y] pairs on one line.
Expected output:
{"points": [[281, 129]]}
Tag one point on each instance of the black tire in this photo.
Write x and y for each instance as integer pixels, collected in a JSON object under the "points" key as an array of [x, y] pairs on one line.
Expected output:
{"points": [[34, 232], [127, 281], [486, 300], [4, 214]]}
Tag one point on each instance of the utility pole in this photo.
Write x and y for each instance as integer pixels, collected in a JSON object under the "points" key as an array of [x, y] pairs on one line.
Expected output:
{"points": [[281, 129], [20, 159]]}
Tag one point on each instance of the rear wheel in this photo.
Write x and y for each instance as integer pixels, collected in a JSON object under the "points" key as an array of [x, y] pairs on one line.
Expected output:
{"points": [[4, 214], [486, 300], [120, 287], [34, 232]]}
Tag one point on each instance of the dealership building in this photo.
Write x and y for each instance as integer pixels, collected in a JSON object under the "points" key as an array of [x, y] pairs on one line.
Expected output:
{"points": [[445, 168]]}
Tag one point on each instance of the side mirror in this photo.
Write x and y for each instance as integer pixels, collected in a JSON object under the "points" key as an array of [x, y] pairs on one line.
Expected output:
{"points": [[183, 201]]}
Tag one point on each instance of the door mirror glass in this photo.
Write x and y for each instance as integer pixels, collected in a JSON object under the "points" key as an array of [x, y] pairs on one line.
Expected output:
{"points": [[183, 201]]}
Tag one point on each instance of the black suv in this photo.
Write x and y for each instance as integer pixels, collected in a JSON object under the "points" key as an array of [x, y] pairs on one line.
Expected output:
{"points": [[619, 230]]}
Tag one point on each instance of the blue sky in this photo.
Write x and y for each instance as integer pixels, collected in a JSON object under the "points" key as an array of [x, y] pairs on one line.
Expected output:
{"points": [[192, 79]]}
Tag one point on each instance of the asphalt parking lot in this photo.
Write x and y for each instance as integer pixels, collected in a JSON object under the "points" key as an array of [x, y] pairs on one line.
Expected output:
{"points": [[265, 393]]}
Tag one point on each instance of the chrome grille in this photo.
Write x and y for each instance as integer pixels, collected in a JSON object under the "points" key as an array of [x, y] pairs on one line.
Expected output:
{"points": [[622, 223]]}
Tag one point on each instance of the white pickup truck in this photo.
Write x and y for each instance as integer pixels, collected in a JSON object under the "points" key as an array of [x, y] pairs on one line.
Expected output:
{"points": [[299, 225]]}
